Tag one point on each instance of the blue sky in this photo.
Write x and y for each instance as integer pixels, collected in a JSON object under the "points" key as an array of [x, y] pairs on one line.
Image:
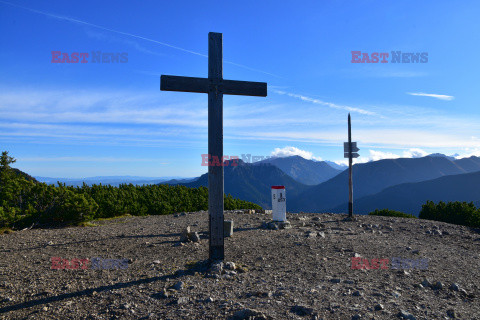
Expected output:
{"points": [[90, 119]]}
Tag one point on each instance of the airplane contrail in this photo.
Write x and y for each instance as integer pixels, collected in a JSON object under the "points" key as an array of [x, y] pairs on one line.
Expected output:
{"points": [[132, 35]]}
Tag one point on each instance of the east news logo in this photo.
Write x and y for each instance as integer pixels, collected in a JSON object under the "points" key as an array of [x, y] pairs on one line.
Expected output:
{"points": [[397, 263], [95, 57], [95, 263], [396, 57]]}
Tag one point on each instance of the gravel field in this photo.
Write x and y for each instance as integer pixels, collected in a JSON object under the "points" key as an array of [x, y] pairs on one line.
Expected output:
{"points": [[303, 272]]}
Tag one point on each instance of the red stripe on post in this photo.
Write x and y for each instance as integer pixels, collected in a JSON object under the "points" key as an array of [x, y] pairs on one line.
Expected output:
{"points": [[278, 187]]}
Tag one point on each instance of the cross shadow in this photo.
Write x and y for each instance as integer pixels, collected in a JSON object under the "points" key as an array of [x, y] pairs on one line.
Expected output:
{"points": [[167, 235], [201, 266], [77, 294], [203, 235], [245, 229]]}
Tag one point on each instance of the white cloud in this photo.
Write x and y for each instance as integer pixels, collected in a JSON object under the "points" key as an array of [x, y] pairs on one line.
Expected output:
{"points": [[414, 153], [432, 95], [343, 162], [376, 155], [469, 152], [293, 151], [323, 103]]}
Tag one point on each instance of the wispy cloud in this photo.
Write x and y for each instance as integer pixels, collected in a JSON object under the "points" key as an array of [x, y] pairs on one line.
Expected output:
{"points": [[103, 37], [401, 74], [368, 137], [324, 103], [98, 107], [253, 69], [371, 71], [148, 119], [59, 17], [432, 95]]}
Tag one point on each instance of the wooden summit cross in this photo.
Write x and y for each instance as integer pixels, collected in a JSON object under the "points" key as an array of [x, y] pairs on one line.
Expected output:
{"points": [[216, 87]]}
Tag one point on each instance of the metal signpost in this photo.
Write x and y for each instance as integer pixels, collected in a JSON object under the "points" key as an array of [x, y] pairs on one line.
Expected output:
{"points": [[350, 151]]}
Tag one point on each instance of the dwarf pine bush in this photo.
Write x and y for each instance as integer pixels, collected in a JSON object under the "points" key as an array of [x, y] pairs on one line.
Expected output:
{"points": [[461, 213], [391, 213], [25, 202]]}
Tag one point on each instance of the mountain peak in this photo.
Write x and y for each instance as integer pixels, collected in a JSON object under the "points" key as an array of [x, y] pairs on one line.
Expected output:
{"points": [[335, 165], [441, 155], [303, 170]]}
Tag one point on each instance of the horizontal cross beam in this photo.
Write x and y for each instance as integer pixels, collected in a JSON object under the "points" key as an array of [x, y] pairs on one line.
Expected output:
{"points": [[204, 85], [183, 84], [245, 88]]}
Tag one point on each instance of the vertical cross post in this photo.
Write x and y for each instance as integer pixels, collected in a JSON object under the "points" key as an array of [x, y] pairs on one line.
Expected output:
{"points": [[215, 145], [215, 86]]}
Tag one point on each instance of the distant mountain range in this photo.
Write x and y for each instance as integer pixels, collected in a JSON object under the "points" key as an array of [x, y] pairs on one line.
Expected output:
{"points": [[336, 165], [372, 177], [253, 182], [113, 180], [409, 197], [304, 171], [402, 184], [443, 156]]}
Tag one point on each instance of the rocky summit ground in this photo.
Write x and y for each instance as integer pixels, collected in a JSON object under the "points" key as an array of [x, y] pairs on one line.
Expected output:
{"points": [[304, 272]]}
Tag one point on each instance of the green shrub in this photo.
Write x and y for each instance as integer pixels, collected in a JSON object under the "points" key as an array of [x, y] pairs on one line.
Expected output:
{"points": [[461, 213], [391, 213], [7, 216], [24, 202]]}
